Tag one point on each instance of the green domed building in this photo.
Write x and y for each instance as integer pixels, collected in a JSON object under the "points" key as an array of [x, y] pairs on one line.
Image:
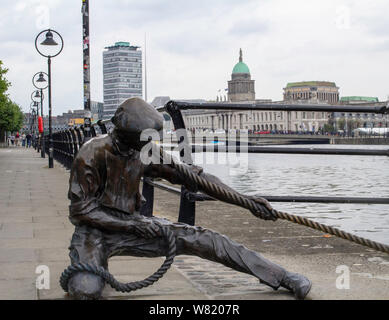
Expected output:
{"points": [[241, 87]]}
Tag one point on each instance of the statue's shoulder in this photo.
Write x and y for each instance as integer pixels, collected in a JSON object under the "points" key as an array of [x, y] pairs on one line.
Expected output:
{"points": [[95, 147]]}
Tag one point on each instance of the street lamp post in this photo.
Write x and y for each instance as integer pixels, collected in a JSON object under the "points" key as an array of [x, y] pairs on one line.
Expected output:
{"points": [[40, 85], [86, 68], [49, 41]]}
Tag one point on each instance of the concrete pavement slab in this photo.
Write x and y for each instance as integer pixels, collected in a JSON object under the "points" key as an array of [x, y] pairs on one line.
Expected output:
{"points": [[17, 255]]}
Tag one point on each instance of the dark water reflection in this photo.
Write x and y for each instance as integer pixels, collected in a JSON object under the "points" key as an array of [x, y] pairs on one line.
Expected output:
{"points": [[318, 175]]}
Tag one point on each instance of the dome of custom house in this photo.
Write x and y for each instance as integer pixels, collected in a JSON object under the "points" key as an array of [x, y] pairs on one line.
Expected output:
{"points": [[241, 67]]}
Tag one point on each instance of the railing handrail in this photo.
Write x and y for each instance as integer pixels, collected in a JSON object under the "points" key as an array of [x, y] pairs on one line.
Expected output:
{"points": [[306, 199], [232, 106]]}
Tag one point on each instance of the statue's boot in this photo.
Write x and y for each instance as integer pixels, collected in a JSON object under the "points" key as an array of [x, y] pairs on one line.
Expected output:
{"points": [[296, 283]]}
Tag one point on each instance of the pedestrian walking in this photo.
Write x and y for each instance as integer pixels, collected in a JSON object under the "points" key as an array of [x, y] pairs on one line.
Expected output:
{"points": [[12, 140], [17, 138], [28, 140], [23, 139]]}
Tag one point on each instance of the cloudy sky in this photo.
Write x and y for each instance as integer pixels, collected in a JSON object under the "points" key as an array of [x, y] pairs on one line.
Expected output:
{"points": [[192, 46]]}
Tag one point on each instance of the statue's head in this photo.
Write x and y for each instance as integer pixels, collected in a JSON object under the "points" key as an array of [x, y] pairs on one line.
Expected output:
{"points": [[133, 117]]}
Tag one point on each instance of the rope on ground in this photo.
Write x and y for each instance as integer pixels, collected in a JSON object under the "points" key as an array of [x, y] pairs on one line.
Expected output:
{"points": [[261, 206], [109, 278]]}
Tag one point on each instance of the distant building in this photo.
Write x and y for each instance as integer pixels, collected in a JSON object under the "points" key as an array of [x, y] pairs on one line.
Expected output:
{"points": [[349, 121], [97, 109], [358, 100], [312, 91], [241, 87], [63, 121], [122, 71]]}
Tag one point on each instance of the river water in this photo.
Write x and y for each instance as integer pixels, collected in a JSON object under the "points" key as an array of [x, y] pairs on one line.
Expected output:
{"points": [[314, 175]]}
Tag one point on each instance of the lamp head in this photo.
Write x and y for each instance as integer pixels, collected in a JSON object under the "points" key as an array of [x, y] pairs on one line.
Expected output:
{"points": [[49, 41], [41, 78]]}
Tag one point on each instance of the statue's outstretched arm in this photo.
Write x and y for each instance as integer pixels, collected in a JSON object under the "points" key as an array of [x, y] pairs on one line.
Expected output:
{"points": [[134, 223], [172, 175]]}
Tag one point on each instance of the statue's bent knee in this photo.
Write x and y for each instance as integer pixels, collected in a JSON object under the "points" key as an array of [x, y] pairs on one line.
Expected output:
{"points": [[86, 286]]}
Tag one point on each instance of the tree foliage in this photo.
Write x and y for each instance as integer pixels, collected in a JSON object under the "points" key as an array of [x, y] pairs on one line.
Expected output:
{"points": [[341, 124], [328, 127], [11, 116]]}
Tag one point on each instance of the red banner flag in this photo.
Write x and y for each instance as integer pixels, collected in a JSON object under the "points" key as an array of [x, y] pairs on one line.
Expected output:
{"points": [[40, 124]]}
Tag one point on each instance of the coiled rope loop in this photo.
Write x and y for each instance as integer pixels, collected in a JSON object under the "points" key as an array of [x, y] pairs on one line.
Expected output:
{"points": [[109, 278]]}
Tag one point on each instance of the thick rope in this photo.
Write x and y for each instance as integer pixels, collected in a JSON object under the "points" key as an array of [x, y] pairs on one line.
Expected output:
{"points": [[261, 207], [109, 278]]}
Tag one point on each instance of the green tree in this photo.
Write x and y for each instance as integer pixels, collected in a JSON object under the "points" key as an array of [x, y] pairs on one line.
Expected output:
{"points": [[4, 84], [11, 116], [341, 124], [328, 128]]}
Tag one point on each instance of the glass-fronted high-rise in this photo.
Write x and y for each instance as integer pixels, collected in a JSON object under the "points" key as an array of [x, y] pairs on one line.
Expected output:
{"points": [[122, 71]]}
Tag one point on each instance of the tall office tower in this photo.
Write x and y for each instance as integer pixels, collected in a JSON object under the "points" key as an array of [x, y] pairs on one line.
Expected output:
{"points": [[122, 71]]}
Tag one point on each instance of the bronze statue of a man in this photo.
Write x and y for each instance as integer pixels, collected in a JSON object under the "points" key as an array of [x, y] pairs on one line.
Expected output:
{"points": [[105, 204]]}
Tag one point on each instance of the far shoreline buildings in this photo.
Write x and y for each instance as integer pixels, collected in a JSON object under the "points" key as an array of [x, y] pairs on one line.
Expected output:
{"points": [[122, 73], [241, 89], [312, 92]]}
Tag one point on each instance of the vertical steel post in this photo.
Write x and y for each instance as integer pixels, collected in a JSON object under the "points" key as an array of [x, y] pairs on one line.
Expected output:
{"points": [[37, 127], [148, 194], [86, 68], [187, 213], [43, 133], [51, 151]]}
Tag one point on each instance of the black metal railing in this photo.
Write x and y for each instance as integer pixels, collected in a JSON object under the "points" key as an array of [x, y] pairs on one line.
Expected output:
{"points": [[67, 142]]}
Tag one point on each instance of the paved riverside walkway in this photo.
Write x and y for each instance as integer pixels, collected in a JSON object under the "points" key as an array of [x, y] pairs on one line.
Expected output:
{"points": [[34, 231]]}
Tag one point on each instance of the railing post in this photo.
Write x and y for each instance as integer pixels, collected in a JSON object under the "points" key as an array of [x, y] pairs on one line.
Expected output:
{"points": [[148, 194], [187, 212], [92, 131], [79, 137], [69, 149], [102, 126], [63, 147], [84, 137], [75, 144]]}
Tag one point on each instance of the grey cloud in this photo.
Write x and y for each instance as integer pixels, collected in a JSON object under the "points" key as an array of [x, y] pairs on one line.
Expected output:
{"points": [[248, 27]]}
